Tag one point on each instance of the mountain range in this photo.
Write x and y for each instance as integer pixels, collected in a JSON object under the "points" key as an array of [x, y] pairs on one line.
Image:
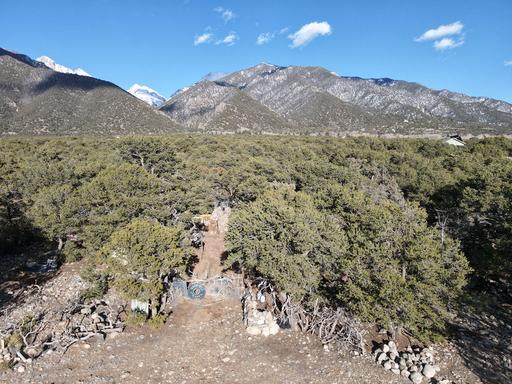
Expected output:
{"points": [[41, 97], [35, 99], [272, 99]]}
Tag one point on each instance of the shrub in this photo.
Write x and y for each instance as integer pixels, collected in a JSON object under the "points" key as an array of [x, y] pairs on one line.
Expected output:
{"points": [[373, 255], [141, 255]]}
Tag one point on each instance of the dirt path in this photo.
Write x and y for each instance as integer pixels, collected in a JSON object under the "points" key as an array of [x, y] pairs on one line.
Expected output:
{"points": [[209, 264], [210, 255], [204, 342]]}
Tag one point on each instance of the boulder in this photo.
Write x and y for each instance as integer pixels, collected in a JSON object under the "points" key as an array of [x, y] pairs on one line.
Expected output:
{"points": [[405, 373], [428, 371], [416, 377], [382, 357]]}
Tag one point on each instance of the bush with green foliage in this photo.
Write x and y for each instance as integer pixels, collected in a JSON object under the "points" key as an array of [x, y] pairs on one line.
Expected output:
{"points": [[141, 256], [361, 250]]}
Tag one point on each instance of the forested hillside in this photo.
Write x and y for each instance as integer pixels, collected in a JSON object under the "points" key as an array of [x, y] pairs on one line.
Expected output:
{"points": [[392, 229]]}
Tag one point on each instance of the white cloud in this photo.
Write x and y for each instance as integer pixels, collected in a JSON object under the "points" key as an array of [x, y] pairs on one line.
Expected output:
{"points": [[229, 40], [308, 33], [447, 43], [226, 14], [442, 31], [204, 38], [507, 63], [283, 30], [264, 38]]}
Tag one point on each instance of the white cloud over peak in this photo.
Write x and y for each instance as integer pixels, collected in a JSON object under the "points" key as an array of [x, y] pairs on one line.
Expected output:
{"points": [[226, 14], [264, 38], [442, 31], [229, 40], [308, 33], [447, 43], [203, 38]]}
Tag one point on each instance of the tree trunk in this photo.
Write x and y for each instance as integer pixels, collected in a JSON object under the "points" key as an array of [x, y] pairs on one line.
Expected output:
{"points": [[61, 244]]}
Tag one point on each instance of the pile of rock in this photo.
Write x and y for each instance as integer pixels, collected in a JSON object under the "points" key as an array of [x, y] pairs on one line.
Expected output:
{"points": [[415, 363], [261, 323]]}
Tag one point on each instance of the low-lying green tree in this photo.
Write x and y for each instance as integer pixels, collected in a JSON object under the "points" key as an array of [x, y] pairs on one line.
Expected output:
{"points": [[140, 256]]}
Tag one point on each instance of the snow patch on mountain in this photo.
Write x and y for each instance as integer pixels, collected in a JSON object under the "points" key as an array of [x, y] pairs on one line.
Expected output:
{"points": [[147, 94], [213, 76], [50, 63]]}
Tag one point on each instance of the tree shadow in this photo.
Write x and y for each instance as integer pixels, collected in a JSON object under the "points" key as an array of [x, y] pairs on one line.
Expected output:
{"points": [[19, 246], [482, 334]]}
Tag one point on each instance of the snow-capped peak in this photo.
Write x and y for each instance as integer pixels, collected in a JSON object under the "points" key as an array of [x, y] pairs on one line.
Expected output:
{"points": [[50, 63], [146, 94]]}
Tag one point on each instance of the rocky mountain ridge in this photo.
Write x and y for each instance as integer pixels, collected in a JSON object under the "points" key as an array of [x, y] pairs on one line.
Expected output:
{"points": [[36, 100], [264, 99], [315, 100]]}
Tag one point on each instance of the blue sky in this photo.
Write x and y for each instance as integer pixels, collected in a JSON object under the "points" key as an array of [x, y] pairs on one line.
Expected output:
{"points": [[170, 44]]}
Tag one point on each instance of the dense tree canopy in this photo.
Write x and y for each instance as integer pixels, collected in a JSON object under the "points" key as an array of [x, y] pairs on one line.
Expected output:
{"points": [[381, 226]]}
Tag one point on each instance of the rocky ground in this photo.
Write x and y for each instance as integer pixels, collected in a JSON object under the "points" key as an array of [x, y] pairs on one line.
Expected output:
{"points": [[205, 341]]}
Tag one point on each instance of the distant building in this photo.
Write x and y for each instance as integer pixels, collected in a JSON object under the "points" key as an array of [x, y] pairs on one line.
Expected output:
{"points": [[455, 140]]}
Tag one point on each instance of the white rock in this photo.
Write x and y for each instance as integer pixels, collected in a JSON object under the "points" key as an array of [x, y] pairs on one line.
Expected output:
{"points": [[382, 357], [265, 331], [416, 377], [252, 330], [274, 328], [20, 369], [385, 348], [428, 371]]}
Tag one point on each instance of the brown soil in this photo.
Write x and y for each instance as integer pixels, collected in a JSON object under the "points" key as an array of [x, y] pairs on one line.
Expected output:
{"points": [[204, 342], [210, 255], [209, 264]]}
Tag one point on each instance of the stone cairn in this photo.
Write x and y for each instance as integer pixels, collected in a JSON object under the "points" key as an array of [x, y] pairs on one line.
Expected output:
{"points": [[258, 321], [414, 363]]}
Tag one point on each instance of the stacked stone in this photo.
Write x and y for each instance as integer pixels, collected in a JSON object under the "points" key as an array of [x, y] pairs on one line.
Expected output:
{"points": [[415, 363], [261, 323]]}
